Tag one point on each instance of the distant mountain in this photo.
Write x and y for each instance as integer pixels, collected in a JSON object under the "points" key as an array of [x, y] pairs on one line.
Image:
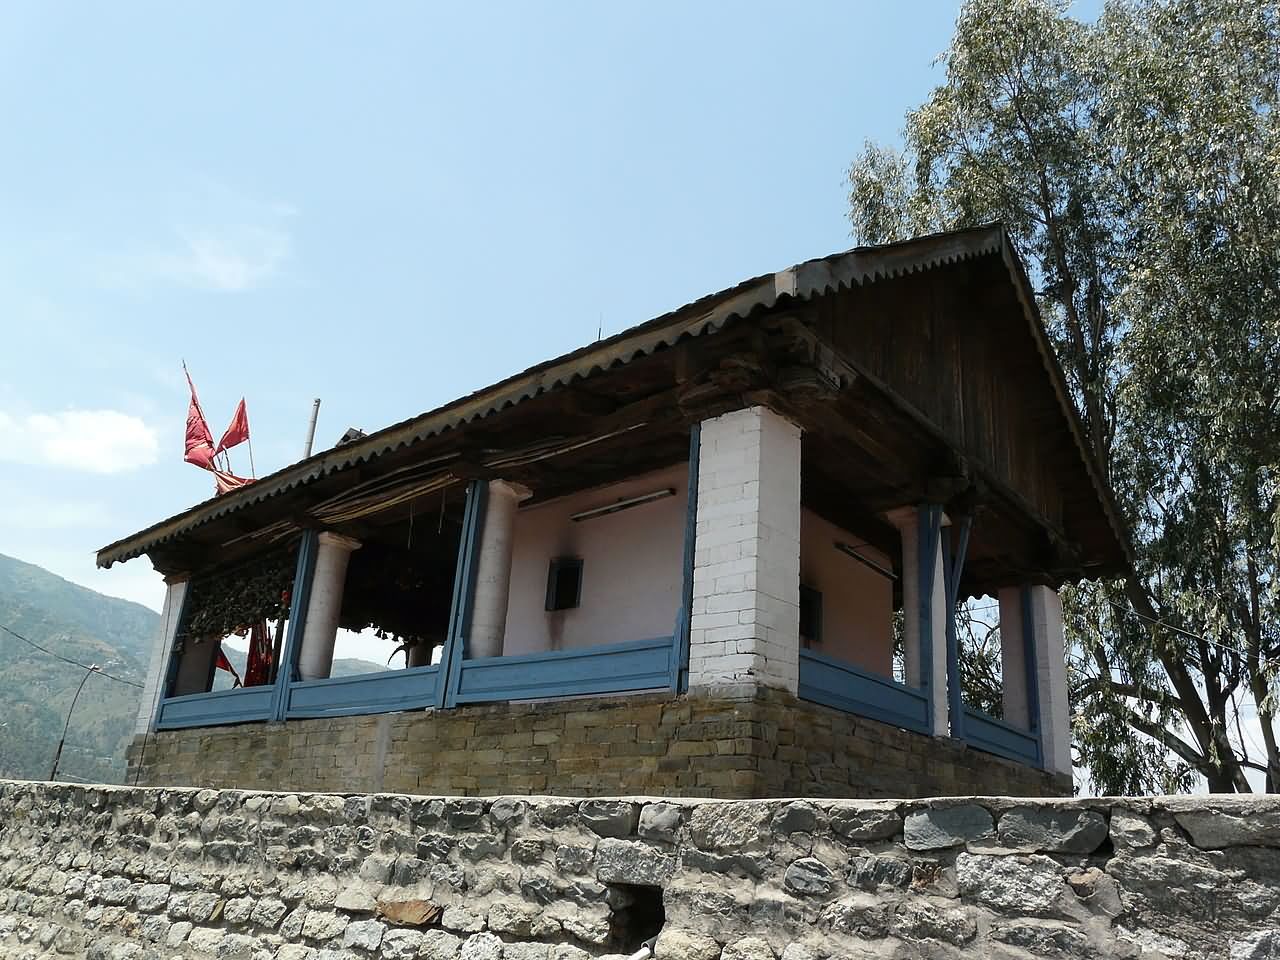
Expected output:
{"points": [[36, 689]]}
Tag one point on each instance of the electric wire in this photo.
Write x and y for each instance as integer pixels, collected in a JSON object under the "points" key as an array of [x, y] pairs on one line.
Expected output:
{"points": [[77, 663], [62, 741]]}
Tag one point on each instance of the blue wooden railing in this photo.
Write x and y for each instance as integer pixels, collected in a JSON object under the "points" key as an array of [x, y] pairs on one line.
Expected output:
{"points": [[385, 692], [609, 668], [834, 683], [1003, 739], [843, 686], [212, 709]]}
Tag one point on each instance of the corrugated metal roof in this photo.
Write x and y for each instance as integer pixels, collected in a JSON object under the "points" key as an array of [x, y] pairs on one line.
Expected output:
{"points": [[706, 315]]}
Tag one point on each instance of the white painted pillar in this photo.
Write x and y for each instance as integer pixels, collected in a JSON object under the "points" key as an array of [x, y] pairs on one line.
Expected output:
{"points": [[745, 623], [315, 658], [1013, 659], [161, 652], [918, 672], [1051, 679], [493, 569]]}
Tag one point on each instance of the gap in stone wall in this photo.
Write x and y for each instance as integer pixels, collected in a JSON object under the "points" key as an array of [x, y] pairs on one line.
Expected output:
{"points": [[637, 916]]}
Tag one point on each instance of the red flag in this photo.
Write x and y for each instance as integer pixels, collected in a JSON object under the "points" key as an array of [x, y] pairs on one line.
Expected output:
{"points": [[199, 440], [224, 664], [237, 431]]}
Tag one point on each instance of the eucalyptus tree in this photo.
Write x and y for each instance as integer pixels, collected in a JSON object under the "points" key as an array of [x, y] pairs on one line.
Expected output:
{"points": [[1135, 161]]}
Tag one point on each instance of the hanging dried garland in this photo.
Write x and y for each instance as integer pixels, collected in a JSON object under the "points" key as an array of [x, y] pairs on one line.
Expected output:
{"points": [[402, 596], [232, 600]]}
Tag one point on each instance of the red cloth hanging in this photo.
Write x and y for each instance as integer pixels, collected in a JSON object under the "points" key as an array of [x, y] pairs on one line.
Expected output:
{"points": [[226, 482], [258, 671]]}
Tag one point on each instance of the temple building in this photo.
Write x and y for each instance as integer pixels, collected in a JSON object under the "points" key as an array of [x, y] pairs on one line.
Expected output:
{"points": [[728, 552]]}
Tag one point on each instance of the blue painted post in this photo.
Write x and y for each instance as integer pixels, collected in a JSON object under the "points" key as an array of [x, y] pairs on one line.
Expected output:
{"points": [[684, 618], [953, 566], [298, 602], [1033, 675], [464, 589], [929, 522]]}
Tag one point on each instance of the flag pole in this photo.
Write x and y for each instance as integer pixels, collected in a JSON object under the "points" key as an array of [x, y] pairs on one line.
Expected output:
{"points": [[253, 471]]}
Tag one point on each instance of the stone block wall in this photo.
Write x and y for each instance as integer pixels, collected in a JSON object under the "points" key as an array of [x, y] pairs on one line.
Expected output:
{"points": [[135, 873], [767, 745]]}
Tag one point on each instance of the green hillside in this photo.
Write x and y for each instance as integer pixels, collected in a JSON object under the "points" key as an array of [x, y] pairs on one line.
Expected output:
{"points": [[36, 689]]}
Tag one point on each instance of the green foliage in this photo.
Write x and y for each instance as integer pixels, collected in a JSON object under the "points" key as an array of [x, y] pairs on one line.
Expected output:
{"points": [[1135, 162], [978, 629]]}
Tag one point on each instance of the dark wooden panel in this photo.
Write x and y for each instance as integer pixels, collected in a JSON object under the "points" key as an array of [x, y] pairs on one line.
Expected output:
{"points": [[955, 347]]}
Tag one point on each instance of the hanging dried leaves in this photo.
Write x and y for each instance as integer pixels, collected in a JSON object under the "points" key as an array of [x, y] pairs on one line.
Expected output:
{"points": [[230, 601]]}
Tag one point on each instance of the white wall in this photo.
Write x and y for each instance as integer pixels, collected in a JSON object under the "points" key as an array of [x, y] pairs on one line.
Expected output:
{"points": [[857, 602], [632, 566]]}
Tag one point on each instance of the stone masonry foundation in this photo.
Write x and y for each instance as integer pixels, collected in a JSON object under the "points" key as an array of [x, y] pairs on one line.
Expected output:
{"points": [[134, 873], [768, 745]]}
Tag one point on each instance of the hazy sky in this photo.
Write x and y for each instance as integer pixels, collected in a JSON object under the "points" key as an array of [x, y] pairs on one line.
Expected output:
{"points": [[383, 205]]}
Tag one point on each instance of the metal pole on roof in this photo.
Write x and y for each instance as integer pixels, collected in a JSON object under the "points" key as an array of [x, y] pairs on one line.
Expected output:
{"points": [[311, 430]]}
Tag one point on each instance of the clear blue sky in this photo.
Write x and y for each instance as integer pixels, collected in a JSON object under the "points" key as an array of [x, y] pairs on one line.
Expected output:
{"points": [[385, 206]]}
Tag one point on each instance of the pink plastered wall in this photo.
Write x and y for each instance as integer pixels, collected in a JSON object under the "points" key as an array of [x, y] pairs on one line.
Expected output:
{"points": [[857, 602], [632, 566]]}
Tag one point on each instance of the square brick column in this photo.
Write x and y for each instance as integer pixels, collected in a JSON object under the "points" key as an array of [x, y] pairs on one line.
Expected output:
{"points": [[161, 653], [745, 625]]}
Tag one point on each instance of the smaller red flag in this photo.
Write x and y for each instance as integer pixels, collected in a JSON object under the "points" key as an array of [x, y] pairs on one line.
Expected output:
{"points": [[237, 430]]}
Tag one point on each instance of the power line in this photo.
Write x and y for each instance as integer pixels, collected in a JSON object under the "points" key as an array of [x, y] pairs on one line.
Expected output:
{"points": [[1187, 633], [57, 656], [57, 755]]}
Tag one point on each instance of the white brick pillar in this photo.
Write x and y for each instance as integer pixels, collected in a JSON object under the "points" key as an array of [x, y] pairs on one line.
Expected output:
{"points": [[745, 625], [320, 632], [1051, 678], [493, 569], [924, 670], [1015, 696], [161, 652]]}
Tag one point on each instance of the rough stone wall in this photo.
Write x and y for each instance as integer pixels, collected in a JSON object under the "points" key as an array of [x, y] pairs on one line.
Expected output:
{"points": [[122, 873], [769, 745]]}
